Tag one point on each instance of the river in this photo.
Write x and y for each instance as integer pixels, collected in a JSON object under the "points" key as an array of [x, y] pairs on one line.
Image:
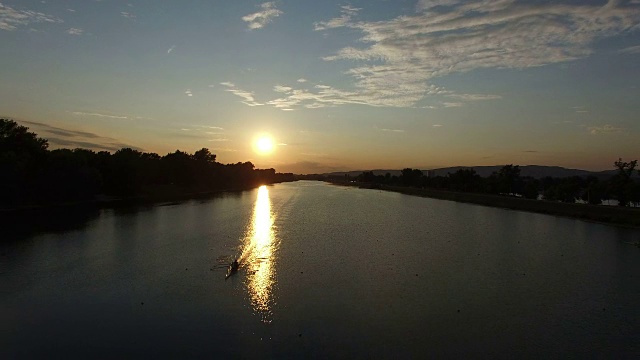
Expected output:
{"points": [[325, 272]]}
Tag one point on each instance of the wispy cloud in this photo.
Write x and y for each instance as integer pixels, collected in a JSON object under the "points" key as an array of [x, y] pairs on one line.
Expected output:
{"points": [[77, 139], [109, 116], [246, 95], [127, 15], [282, 89], [302, 80], [437, 125], [218, 150], [80, 113], [75, 31], [392, 130], [452, 104], [11, 19], [327, 96], [630, 50], [261, 18], [347, 13], [188, 92], [428, 4], [396, 59], [474, 97], [605, 129], [171, 49]]}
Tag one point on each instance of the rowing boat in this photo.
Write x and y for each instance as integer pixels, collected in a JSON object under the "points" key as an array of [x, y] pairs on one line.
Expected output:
{"points": [[233, 268]]}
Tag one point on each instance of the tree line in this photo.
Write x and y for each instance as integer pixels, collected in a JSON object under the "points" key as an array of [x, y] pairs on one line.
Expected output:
{"points": [[31, 174], [507, 181]]}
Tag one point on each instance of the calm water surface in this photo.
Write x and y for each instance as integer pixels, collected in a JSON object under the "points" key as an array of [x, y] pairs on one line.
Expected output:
{"points": [[326, 271]]}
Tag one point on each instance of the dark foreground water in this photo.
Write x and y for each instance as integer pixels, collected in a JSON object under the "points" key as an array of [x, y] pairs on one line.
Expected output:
{"points": [[326, 272]]}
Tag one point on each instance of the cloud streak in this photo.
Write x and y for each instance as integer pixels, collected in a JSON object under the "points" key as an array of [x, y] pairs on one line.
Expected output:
{"points": [[474, 97], [261, 18], [128, 15], [77, 139], [605, 129], [80, 113], [11, 19], [75, 31], [630, 50], [246, 95], [347, 13]]}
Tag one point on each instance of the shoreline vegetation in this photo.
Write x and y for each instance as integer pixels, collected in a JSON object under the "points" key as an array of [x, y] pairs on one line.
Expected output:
{"points": [[611, 215], [34, 178], [580, 197]]}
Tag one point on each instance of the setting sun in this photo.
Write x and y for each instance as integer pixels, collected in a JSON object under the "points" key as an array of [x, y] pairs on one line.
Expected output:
{"points": [[264, 145]]}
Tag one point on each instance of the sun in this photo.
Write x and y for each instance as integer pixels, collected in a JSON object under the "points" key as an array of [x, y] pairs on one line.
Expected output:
{"points": [[264, 145]]}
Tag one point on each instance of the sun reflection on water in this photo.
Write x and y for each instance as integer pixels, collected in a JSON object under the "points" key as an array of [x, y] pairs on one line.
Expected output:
{"points": [[260, 246]]}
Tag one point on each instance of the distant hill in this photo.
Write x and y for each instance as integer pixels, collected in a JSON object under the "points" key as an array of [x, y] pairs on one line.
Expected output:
{"points": [[535, 171]]}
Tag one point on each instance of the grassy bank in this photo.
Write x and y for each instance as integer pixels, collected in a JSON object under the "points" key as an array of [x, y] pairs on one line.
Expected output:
{"points": [[596, 213]]}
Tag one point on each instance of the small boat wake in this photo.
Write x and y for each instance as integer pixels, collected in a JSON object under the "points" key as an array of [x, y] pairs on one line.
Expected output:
{"points": [[229, 264]]}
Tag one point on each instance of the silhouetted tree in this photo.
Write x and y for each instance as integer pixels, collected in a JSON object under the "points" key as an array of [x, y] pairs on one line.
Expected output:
{"points": [[595, 191], [71, 175], [205, 156], [367, 177], [530, 189], [464, 180], [622, 184], [411, 177], [22, 155], [505, 181]]}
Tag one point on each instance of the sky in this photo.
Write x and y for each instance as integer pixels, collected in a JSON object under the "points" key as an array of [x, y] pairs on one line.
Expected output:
{"points": [[376, 84]]}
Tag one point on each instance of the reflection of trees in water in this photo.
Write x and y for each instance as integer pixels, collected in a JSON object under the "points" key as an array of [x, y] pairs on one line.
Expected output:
{"points": [[21, 225]]}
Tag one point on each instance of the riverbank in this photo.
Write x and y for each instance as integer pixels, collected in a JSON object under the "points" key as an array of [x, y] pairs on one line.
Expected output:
{"points": [[595, 213]]}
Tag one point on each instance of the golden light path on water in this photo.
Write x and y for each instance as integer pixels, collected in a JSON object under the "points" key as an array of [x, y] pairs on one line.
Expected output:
{"points": [[258, 253]]}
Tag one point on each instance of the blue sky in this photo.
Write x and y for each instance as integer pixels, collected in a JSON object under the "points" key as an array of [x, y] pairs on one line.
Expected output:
{"points": [[337, 85]]}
